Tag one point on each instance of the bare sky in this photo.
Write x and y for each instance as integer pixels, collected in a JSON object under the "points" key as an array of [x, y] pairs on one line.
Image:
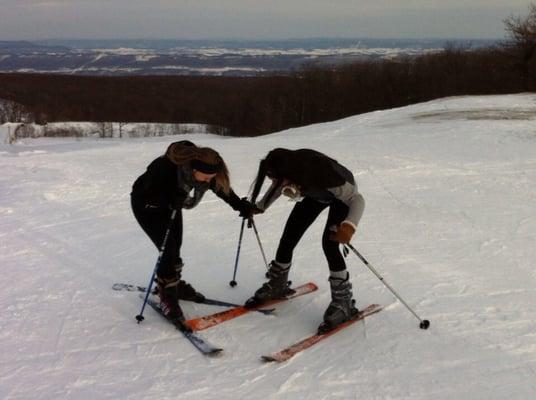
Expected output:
{"points": [[255, 19]]}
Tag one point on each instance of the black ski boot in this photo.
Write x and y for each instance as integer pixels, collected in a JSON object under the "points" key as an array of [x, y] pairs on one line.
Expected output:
{"points": [[187, 292], [169, 300], [276, 288], [184, 289], [342, 306]]}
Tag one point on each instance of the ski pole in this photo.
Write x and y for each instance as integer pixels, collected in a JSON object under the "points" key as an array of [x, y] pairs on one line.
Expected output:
{"points": [[233, 282], [424, 323], [252, 223], [140, 317]]}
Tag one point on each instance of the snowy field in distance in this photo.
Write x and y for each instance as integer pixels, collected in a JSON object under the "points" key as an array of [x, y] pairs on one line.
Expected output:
{"points": [[450, 187]]}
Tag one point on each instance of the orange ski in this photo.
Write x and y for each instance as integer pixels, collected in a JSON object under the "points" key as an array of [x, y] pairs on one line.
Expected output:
{"points": [[198, 324], [303, 344]]}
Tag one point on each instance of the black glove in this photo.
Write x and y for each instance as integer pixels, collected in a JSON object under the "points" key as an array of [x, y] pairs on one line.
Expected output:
{"points": [[247, 209], [177, 202]]}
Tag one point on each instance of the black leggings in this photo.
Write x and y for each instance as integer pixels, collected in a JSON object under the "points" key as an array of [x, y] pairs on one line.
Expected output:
{"points": [[154, 222], [301, 217]]}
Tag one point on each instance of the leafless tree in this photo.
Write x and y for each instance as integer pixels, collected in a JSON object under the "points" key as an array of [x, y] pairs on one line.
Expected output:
{"points": [[121, 126], [11, 111], [521, 31], [106, 129]]}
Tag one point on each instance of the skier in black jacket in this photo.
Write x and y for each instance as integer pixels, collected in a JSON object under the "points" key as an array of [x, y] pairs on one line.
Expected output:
{"points": [[177, 180], [317, 182]]}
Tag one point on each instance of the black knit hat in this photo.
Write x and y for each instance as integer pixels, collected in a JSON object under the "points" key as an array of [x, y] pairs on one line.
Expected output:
{"points": [[204, 167]]}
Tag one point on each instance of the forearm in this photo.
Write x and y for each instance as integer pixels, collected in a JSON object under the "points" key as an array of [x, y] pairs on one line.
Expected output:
{"points": [[271, 195], [232, 199], [356, 209]]}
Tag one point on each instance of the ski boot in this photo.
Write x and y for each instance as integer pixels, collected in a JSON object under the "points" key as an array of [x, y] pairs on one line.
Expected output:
{"points": [[169, 300], [187, 292], [276, 288], [342, 307], [184, 289]]}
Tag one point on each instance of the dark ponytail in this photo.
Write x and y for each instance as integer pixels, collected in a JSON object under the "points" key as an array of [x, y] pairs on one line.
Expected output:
{"points": [[262, 173], [273, 166], [259, 180]]}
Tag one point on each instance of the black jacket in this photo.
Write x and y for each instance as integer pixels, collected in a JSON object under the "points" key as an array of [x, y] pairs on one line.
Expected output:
{"points": [[166, 185]]}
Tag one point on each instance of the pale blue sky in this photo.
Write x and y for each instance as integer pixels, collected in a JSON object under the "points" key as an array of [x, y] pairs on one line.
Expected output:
{"points": [[255, 19]]}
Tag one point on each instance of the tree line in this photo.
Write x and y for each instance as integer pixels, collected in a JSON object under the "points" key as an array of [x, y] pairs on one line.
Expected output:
{"points": [[249, 106]]}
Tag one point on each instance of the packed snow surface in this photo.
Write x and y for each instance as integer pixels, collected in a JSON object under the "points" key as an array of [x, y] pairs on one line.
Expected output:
{"points": [[450, 188]]}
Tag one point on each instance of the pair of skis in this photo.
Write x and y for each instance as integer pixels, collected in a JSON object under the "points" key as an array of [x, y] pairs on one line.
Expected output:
{"points": [[201, 323]]}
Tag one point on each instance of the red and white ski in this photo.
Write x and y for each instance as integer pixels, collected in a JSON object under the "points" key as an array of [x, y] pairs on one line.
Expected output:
{"points": [[303, 344], [198, 324]]}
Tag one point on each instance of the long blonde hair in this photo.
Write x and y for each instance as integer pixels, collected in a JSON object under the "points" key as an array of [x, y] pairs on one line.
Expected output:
{"points": [[182, 153]]}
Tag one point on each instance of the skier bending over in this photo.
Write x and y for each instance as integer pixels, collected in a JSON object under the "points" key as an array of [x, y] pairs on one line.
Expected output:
{"points": [[316, 182], [179, 179]]}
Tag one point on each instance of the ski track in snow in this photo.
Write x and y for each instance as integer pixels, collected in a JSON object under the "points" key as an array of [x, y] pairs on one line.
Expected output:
{"points": [[450, 187]]}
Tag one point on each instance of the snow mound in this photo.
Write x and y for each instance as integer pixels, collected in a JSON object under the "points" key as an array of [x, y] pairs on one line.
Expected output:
{"points": [[449, 222]]}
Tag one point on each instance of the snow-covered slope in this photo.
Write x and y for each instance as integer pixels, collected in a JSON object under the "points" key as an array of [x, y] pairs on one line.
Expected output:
{"points": [[450, 187]]}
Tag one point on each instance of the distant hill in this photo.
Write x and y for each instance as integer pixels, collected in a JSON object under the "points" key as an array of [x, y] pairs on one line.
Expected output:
{"points": [[21, 47], [204, 57]]}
